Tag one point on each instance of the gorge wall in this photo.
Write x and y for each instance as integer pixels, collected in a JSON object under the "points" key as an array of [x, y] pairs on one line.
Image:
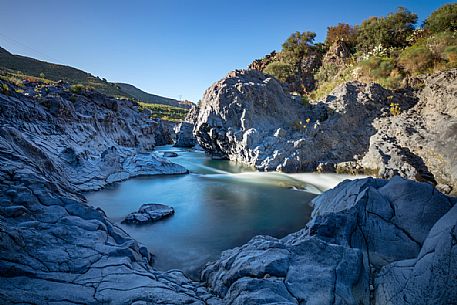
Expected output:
{"points": [[250, 117], [370, 241]]}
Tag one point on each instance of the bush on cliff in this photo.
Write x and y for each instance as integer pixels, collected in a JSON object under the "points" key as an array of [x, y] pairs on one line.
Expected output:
{"points": [[280, 70], [391, 31], [443, 19], [342, 32]]}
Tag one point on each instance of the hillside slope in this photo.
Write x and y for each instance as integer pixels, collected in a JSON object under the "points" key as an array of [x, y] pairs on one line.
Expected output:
{"points": [[152, 98], [56, 72]]}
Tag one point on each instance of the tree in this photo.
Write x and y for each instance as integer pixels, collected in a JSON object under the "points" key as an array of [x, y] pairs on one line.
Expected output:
{"points": [[391, 31], [341, 32], [443, 19], [298, 46]]}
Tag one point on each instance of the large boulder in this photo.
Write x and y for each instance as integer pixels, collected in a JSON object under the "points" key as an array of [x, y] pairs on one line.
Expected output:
{"points": [[431, 277], [248, 117]]}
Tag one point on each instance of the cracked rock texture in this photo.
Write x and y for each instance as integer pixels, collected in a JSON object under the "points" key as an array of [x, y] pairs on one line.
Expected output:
{"points": [[54, 249], [248, 117], [362, 232]]}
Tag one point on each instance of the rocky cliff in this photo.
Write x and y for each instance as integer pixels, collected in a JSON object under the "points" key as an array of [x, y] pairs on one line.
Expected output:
{"points": [[248, 117]]}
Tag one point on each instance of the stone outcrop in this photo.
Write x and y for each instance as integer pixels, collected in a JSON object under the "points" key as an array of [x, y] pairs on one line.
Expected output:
{"points": [[84, 140], [366, 240], [149, 213], [248, 117], [419, 143], [54, 249], [184, 130]]}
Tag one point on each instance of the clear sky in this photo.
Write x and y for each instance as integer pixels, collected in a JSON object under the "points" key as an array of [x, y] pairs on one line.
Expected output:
{"points": [[168, 47]]}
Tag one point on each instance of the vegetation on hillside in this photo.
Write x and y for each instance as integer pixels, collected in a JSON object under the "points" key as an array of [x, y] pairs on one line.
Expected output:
{"points": [[18, 67], [164, 112], [387, 50], [19, 81]]}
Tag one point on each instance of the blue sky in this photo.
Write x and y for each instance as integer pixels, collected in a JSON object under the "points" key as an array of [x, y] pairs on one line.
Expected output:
{"points": [[173, 48]]}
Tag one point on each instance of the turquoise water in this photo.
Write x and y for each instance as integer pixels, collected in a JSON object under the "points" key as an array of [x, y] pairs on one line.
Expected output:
{"points": [[219, 205]]}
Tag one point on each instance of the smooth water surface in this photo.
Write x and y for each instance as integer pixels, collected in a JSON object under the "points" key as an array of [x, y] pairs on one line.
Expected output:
{"points": [[219, 205]]}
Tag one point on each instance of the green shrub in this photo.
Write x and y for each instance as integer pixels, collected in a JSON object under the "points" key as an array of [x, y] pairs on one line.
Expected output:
{"points": [[5, 89], [341, 32], [416, 59], [450, 54], [297, 46], [377, 67], [282, 71], [443, 19], [391, 31], [77, 89]]}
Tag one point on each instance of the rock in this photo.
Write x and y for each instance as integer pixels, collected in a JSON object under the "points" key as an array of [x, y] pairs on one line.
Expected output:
{"points": [[54, 248], [170, 154], [149, 213], [428, 279], [164, 132], [249, 118], [184, 135], [356, 229], [419, 142]]}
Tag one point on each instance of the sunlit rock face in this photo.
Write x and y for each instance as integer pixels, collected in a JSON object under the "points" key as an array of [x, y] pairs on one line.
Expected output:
{"points": [[249, 117]]}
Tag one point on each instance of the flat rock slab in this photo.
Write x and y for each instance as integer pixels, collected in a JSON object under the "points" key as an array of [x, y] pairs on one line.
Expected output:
{"points": [[149, 213]]}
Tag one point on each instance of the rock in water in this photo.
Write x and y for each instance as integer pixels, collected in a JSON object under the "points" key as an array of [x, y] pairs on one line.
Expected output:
{"points": [[170, 154], [149, 213]]}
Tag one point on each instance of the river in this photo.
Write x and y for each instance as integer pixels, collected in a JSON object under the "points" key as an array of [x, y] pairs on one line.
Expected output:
{"points": [[219, 205]]}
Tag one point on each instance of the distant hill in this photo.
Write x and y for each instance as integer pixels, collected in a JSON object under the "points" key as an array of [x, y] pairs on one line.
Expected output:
{"points": [[152, 98], [55, 72]]}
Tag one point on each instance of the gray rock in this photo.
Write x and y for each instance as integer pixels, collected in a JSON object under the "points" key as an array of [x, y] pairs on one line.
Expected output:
{"points": [[170, 154], [249, 118], [149, 213], [184, 135], [356, 229], [431, 277]]}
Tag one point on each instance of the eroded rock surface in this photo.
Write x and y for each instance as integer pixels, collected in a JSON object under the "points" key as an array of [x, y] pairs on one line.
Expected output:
{"points": [[248, 117], [356, 229], [54, 249]]}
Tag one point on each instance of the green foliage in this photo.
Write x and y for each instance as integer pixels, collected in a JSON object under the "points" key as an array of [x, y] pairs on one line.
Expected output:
{"points": [[5, 90], [429, 54], [391, 31], [395, 109], [416, 59], [164, 112], [282, 71], [443, 19], [77, 89], [297, 46], [342, 32]]}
